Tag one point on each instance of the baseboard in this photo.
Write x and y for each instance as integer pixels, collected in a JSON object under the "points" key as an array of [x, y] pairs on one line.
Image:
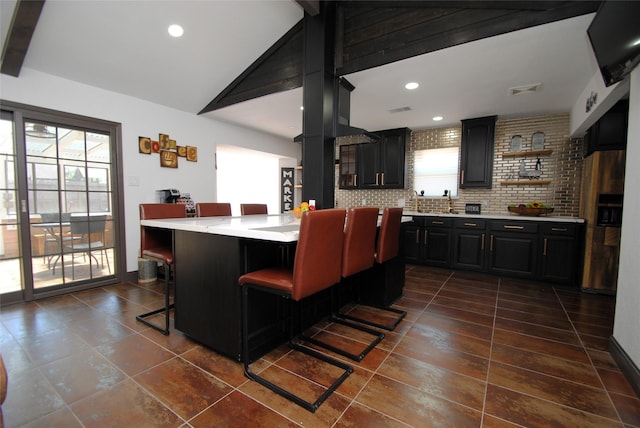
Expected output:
{"points": [[131, 276], [626, 364]]}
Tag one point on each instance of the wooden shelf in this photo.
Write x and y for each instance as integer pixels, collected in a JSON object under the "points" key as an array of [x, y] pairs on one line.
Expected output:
{"points": [[525, 182], [527, 153]]}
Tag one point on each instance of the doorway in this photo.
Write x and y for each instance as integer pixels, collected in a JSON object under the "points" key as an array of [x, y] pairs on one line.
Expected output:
{"points": [[60, 213]]}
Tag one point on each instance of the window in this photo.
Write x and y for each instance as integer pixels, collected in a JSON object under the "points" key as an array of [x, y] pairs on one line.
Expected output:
{"points": [[436, 170]]}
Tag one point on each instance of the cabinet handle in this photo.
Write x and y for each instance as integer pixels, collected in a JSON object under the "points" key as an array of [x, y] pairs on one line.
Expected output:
{"points": [[471, 224], [482, 245], [355, 180], [417, 236], [377, 178], [544, 251], [558, 229], [508, 226], [382, 184], [462, 177], [437, 222], [426, 234], [491, 243]]}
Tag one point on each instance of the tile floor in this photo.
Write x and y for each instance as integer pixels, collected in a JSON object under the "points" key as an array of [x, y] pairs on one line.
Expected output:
{"points": [[473, 351]]}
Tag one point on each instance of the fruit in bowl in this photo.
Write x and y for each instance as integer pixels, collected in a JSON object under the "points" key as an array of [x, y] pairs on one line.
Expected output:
{"points": [[535, 208]]}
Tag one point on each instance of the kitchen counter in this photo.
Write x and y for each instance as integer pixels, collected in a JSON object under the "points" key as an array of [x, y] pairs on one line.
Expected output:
{"points": [[506, 216], [273, 227], [276, 227]]}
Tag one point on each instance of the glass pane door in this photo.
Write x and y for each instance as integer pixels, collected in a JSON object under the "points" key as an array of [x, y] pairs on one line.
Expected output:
{"points": [[70, 204], [10, 255]]}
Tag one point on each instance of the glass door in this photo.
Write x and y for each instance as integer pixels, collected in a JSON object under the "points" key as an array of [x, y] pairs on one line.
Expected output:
{"points": [[59, 215], [70, 204], [10, 254]]}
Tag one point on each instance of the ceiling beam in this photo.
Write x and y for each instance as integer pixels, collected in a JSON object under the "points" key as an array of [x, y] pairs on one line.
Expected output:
{"points": [[311, 7], [23, 24]]}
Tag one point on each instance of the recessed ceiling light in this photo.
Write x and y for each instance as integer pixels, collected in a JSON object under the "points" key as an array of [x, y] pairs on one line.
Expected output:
{"points": [[175, 30], [437, 118], [301, 107], [411, 85]]}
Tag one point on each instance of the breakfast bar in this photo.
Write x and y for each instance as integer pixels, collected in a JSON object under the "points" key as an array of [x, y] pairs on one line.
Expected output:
{"points": [[211, 253]]}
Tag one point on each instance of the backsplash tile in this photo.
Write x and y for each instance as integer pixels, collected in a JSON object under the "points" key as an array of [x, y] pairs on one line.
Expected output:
{"points": [[563, 167]]}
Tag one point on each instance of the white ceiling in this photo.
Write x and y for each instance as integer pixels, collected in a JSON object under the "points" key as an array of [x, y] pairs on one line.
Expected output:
{"points": [[123, 46]]}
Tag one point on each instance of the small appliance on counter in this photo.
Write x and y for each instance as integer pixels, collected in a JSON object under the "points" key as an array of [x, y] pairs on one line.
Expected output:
{"points": [[167, 196]]}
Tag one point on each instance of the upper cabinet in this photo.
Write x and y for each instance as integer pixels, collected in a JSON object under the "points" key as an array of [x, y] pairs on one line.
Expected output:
{"points": [[348, 170], [378, 165], [476, 152], [610, 131]]}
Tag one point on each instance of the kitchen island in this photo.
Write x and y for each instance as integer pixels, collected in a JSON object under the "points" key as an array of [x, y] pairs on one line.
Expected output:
{"points": [[211, 253]]}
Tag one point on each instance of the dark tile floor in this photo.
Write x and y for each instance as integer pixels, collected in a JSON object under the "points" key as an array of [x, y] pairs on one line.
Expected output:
{"points": [[473, 351]]}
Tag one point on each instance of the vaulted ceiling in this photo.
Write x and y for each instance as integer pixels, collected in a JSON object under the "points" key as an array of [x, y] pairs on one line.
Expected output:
{"points": [[241, 62]]}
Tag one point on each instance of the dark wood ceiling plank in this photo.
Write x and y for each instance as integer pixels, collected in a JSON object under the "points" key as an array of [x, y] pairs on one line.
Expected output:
{"points": [[254, 82], [23, 24], [420, 33]]}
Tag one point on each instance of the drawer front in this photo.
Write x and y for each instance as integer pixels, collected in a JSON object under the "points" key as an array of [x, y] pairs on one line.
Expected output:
{"points": [[567, 229], [515, 226], [437, 222], [470, 223]]}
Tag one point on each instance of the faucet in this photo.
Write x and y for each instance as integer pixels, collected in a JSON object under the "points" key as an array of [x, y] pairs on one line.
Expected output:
{"points": [[415, 201], [450, 209]]}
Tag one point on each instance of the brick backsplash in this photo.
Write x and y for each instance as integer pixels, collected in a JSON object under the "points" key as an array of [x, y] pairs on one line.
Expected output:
{"points": [[563, 167]]}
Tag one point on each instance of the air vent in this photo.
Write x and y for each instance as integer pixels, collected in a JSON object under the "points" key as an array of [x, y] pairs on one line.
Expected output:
{"points": [[399, 110], [527, 89]]}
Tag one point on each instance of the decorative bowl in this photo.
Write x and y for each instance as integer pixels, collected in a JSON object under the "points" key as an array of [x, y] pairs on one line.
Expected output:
{"points": [[530, 211]]}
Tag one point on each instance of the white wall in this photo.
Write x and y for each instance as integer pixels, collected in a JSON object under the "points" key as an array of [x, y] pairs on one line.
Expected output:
{"points": [[626, 329], [141, 118]]}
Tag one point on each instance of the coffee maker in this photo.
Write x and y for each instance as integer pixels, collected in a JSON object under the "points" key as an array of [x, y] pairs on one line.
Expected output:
{"points": [[168, 196]]}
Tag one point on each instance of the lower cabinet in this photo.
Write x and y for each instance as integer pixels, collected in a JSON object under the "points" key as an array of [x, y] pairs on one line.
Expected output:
{"points": [[427, 241], [559, 246], [512, 248], [469, 239], [542, 250]]}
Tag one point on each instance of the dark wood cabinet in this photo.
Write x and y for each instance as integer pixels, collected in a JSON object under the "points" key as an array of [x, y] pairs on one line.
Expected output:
{"points": [[410, 241], [427, 241], [348, 170], [376, 165], [476, 152], [469, 239], [436, 241], [548, 251], [512, 248], [559, 253], [610, 131]]}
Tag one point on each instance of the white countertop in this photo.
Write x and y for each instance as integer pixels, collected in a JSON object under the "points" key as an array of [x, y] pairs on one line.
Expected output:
{"points": [[273, 227], [276, 227], [505, 216]]}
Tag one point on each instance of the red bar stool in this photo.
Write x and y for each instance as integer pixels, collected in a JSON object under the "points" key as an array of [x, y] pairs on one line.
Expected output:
{"points": [[316, 267], [250, 209], [212, 209], [357, 256], [157, 244], [387, 248]]}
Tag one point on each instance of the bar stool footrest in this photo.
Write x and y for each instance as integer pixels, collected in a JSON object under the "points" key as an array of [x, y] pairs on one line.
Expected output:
{"points": [[356, 357], [312, 407], [389, 327]]}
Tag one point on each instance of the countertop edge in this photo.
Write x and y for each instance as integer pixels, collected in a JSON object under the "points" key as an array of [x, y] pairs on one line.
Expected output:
{"points": [[513, 217]]}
